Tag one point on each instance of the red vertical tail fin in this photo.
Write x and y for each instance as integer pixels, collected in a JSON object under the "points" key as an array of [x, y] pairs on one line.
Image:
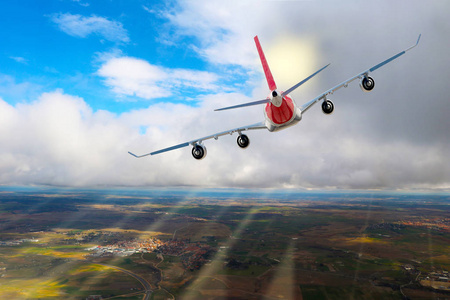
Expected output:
{"points": [[269, 77]]}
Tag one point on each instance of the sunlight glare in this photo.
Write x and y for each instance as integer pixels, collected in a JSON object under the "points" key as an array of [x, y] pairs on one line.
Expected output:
{"points": [[292, 59]]}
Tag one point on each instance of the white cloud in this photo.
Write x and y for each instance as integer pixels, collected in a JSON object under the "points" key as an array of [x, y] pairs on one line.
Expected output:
{"points": [[18, 91], [393, 138], [85, 4], [224, 28], [80, 26], [19, 59], [59, 140], [389, 133], [132, 76]]}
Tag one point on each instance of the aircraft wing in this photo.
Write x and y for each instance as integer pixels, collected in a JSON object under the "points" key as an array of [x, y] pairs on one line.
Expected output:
{"points": [[365, 73], [260, 125]]}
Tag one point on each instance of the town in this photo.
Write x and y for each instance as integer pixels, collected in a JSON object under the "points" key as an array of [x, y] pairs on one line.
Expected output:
{"points": [[126, 248], [193, 255], [77, 249]]}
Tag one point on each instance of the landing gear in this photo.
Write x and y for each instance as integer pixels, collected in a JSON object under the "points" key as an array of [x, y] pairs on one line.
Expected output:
{"points": [[367, 84], [327, 107], [243, 141], [199, 152]]}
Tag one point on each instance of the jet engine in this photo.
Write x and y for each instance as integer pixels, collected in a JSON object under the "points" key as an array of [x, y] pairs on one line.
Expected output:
{"points": [[199, 151], [327, 107], [367, 84], [243, 141]]}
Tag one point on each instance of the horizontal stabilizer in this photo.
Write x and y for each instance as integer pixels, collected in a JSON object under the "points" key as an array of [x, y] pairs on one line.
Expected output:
{"points": [[302, 82], [245, 104]]}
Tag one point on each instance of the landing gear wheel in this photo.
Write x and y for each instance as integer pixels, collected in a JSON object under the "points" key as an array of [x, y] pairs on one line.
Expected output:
{"points": [[368, 83], [198, 152], [243, 141], [327, 107]]}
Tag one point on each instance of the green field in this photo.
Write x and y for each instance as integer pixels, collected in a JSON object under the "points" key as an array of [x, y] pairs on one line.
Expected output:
{"points": [[322, 247]]}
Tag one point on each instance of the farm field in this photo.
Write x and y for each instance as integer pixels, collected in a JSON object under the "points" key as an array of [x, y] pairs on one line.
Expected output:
{"points": [[58, 244]]}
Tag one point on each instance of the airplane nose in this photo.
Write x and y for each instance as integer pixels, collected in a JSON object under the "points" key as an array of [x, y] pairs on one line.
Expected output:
{"points": [[274, 94]]}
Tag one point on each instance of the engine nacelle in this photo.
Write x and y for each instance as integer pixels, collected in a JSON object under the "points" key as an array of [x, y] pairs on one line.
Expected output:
{"points": [[243, 141], [327, 107], [367, 84], [199, 151]]}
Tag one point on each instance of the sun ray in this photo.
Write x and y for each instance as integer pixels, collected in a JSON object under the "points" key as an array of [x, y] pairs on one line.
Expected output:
{"points": [[361, 247], [283, 284], [219, 258]]}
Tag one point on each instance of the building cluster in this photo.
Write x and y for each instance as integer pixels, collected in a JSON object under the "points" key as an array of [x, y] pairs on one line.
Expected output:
{"points": [[387, 226], [192, 256], [440, 224], [125, 248], [441, 276], [195, 258], [174, 248], [438, 280]]}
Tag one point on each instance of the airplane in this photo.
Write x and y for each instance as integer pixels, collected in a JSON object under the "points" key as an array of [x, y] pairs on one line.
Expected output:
{"points": [[280, 111]]}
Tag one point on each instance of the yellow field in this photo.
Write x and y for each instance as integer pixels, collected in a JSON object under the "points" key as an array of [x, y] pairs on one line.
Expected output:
{"points": [[91, 268], [52, 252], [364, 240], [31, 289]]}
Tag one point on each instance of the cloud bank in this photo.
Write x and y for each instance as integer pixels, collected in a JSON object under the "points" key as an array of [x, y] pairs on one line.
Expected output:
{"points": [[395, 137], [58, 140]]}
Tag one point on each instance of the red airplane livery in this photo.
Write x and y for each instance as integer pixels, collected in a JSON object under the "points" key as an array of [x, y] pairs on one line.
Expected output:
{"points": [[280, 111]]}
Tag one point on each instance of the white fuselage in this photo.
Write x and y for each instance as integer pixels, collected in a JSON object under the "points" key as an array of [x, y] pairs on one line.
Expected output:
{"points": [[281, 112]]}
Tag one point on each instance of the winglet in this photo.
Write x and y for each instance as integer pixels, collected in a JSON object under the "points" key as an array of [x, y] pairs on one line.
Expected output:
{"points": [[393, 57], [269, 77], [417, 43], [138, 156]]}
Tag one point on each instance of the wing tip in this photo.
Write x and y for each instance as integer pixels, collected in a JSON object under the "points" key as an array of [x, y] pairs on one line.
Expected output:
{"points": [[133, 154], [417, 43], [139, 156]]}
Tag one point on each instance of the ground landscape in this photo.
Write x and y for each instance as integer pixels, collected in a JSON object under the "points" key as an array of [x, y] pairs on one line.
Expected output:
{"points": [[222, 244]]}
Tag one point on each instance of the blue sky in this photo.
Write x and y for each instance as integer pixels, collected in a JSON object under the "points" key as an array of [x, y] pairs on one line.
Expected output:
{"points": [[83, 82], [63, 44]]}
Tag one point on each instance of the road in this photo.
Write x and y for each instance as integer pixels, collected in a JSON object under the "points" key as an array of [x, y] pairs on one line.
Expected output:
{"points": [[411, 282], [144, 282], [175, 232]]}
